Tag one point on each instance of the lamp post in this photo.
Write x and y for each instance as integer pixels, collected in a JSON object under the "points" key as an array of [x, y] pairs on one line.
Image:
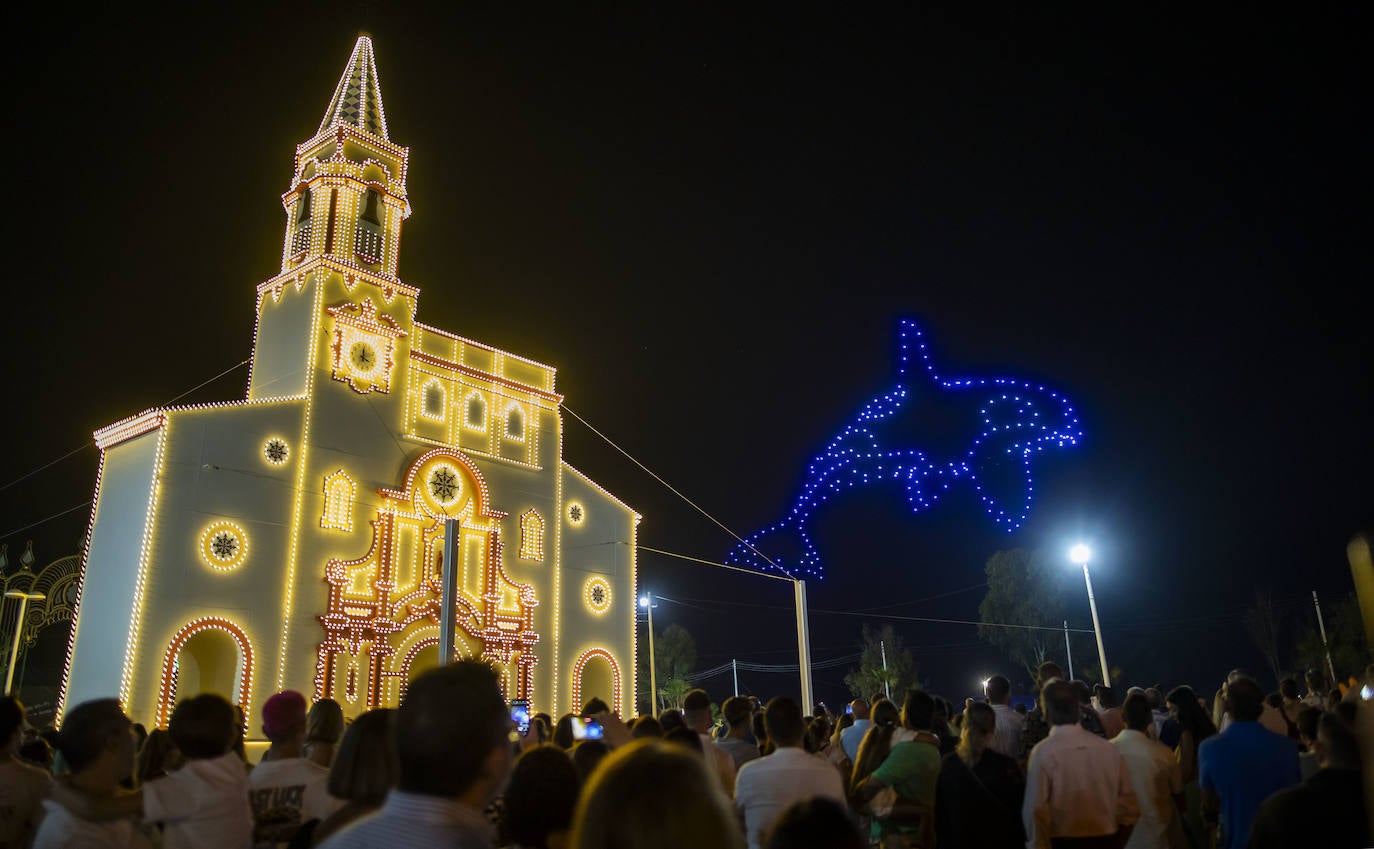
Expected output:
{"points": [[646, 601], [1080, 554], [24, 599]]}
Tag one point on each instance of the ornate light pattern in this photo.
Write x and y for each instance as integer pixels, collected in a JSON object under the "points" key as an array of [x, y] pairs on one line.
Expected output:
{"points": [[339, 492], [444, 485], [223, 546], [596, 593], [577, 514], [275, 451], [167, 690], [1018, 421], [531, 535]]}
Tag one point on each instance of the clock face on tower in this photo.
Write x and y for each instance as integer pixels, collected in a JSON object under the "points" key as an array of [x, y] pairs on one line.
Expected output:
{"points": [[364, 357]]}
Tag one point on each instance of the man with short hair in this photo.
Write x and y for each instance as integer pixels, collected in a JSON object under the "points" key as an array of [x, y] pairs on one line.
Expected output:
{"points": [[453, 746], [739, 722], [1155, 776], [1078, 788], [1036, 727], [1243, 765], [696, 713], [1006, 739], [22, 787], [97, 742], [1329, 802], [768, 786], [853, 736], [286, 790]]}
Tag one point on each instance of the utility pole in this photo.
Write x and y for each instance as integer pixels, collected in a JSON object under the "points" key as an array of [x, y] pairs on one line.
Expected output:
{"points": [[803, 646], [887, 688], [1325, 646], [1068, 649], [648, 604], [448, 590], [734, 667], [24, 599]]}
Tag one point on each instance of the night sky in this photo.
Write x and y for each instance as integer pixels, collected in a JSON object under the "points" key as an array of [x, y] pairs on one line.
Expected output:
{"points": [[711, 223]]}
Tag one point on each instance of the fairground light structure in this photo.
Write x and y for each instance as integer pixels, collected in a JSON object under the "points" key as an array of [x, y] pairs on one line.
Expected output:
{"points": [[294, 539]]}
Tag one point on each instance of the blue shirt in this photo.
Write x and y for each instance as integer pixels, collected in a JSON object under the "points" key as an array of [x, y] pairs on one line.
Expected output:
{"points": [[851, 737], [1244, 765]]}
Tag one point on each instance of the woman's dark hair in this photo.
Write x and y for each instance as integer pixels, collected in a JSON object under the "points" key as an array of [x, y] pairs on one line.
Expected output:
{"points": [[817, 735], [540, 797], [817, 823], [587, 754], [1288, 688], [595, 706], [156, 756], [646, 726], [365, 767], [1190, 714], [325, 722], [918, 710], [563, 734], [877, 742]]}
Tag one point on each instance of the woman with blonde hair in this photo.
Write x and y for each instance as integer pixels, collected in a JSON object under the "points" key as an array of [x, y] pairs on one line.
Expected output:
{"points": [[654, 795], [324, 725]]}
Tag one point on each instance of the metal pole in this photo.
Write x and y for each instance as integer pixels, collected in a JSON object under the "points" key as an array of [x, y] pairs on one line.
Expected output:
{"points": [[803, 647], [1325, 646], [653, 675], [887, 688], [448, 583], [734, 667], [18, 628], [1097, 628], [1068, 649]]}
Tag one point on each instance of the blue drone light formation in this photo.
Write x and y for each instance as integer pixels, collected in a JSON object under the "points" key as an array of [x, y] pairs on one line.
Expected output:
{"points": [[1013, 423]]}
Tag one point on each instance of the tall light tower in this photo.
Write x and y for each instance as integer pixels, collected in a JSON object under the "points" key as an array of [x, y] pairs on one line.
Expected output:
{"points": [[1080, 554], [646, 601]]}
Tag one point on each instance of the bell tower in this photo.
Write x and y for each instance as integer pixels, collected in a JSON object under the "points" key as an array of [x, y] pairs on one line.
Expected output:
{"points": [[348, 189]]}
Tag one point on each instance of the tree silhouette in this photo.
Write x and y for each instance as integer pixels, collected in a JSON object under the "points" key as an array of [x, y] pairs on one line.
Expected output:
{"points": [[870, 677], [1023, 589]]}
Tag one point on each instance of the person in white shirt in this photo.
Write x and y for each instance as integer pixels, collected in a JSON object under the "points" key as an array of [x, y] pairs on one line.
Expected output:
{"points": [[22, 787], [1078, 784], [202, 805], [1155, 777], [1007, 738], [768, 786], [854, 734], [97, 742], [286, 790], [696, 712], [1316, 689]]}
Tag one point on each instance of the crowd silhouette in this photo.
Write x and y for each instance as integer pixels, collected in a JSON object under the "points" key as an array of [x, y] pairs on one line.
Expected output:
{"points": [[450, 767]]}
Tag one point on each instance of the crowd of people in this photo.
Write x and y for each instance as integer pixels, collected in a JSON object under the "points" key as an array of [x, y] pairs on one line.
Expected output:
{"points": [[451, 768]]}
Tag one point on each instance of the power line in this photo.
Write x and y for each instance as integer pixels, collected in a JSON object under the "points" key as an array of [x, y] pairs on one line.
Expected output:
{"points": [[88, 444], [671, 489], [41, 521], [712, 563]]}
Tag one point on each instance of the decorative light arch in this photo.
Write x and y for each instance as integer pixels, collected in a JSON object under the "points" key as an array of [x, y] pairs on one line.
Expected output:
{"points": [[432, 390], [582, 660], [339, 492], [515, 422], [167, 687], [475, 398], [531, 535]]}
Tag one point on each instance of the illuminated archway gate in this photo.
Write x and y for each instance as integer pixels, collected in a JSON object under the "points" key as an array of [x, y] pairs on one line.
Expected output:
{"points": [[384, 606]]}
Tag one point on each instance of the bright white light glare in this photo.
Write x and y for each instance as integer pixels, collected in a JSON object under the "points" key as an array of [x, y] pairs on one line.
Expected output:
{"points": [[644, 601], [1080, 554], [985, 682]]}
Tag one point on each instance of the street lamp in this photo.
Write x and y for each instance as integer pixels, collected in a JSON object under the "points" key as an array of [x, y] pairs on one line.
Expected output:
{"points": [[24, 599], [1080, 554], [646, 601]]}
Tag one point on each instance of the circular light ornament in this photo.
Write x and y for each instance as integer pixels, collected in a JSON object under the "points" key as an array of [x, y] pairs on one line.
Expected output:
{"points": [[577, 514], [276, 451], [223, 546], [597, 593], [445, 484]]}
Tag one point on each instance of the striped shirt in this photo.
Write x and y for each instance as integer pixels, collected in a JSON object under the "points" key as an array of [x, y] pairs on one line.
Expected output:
{"points": [[416, 821]]}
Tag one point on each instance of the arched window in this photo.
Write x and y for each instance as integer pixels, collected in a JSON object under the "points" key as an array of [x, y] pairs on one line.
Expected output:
{"points": [[531, 535], [339, 491], [434, 400], [476, 416], [370, 203], [303, 206], [515, 423]]}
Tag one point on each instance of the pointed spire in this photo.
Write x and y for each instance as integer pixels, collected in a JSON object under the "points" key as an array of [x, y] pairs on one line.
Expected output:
{"points": [[357, 100]]}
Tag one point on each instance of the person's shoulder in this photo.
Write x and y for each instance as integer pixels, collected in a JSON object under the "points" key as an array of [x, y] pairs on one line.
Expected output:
{"points": [[25, 773]]}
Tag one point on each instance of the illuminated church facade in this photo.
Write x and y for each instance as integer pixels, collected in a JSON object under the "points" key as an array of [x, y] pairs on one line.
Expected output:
{"points": [[294, 539]]}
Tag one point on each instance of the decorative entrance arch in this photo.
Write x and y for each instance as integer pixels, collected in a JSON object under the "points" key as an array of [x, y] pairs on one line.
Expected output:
{"points": [[384, 606], [243, 666], [585, 683]]}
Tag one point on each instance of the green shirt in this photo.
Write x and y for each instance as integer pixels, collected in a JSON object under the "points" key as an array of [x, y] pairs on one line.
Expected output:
{"points": [[912, 769]]}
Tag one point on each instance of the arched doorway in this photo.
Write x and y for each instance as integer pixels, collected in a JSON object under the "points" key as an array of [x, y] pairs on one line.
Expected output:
{"points": [[210, 655], [597, 675]]}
